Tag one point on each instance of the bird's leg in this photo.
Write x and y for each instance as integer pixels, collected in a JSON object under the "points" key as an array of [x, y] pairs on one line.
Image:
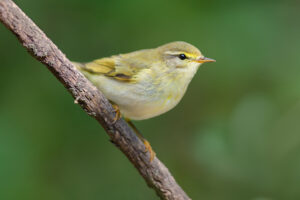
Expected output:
{"points": [[146, 143], [117, 111]]}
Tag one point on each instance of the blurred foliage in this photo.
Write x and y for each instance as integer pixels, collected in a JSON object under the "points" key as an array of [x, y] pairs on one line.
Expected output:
{"points": [[235, 135]]}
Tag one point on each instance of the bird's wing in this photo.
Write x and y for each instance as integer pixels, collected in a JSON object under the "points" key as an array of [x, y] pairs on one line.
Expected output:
{"points": [[124, 67]]}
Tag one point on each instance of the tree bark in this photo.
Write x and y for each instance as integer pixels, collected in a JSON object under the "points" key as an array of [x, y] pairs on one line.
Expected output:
{"points": [[91, 100]]}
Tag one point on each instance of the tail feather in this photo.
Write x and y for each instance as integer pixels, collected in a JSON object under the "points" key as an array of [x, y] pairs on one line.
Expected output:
{"points": [[78, 65], [83, 69]]}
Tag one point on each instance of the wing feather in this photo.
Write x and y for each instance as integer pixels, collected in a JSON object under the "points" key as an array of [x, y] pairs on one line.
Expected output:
{"points": [[123, 67]]}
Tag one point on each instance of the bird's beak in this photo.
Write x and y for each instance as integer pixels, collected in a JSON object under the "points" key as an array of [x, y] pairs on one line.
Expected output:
{"points": [[204, 60]]}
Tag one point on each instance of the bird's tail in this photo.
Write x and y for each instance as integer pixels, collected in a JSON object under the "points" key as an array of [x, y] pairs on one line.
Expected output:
{"points": [[79, 66], [83, 69]]}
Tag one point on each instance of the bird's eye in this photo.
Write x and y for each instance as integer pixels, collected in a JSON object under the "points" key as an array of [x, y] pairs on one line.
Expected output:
{"points": [[182, 56]]}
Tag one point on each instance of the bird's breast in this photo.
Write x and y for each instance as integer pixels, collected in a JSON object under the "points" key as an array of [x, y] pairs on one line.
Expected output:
{"points": [[149, 96], [154, 97]]}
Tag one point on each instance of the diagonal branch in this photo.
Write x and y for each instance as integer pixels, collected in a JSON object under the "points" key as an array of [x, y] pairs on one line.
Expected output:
{"points": [[90, 99]]}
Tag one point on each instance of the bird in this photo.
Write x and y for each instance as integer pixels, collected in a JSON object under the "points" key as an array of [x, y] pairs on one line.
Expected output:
{"points": [[145, 83]]}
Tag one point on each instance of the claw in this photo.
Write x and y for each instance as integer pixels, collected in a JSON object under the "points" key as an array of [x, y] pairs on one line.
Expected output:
{"points": [[149, 149], [118, 113]]}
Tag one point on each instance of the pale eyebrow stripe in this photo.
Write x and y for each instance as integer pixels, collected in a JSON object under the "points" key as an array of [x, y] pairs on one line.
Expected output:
{"points": [[175, 53]]}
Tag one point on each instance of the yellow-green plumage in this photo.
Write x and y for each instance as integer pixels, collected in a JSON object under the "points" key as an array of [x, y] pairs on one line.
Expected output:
{"points": [[145, 83]]}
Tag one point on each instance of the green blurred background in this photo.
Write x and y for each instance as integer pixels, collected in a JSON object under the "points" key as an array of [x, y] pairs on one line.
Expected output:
{"points": [[234, 136]]}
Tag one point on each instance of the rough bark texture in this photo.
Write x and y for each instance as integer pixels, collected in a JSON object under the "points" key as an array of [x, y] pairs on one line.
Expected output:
{"points": [[90, 99]]}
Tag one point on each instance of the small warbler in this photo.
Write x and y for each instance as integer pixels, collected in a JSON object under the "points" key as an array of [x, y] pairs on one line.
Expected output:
{"points": [[145, 83]]}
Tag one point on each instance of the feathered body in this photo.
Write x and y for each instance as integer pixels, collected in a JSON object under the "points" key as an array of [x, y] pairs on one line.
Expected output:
{"points": [[145, 83]]}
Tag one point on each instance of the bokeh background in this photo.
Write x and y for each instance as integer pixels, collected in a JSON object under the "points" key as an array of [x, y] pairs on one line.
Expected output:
{"points": [[235, 135]]}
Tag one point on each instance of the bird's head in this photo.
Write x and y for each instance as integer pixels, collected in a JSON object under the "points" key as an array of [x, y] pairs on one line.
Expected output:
{"points": [[182, 55]]}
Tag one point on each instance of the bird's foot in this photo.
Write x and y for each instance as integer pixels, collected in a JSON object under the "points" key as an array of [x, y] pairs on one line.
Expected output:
{"points": [[147, 145], [118, 113], [149, 149]]}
